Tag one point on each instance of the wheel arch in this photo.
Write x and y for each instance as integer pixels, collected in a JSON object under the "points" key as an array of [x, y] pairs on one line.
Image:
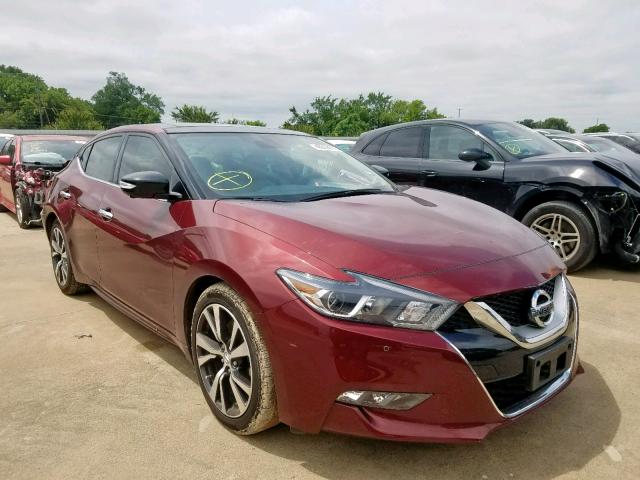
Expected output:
{"points": [[567, 195], [48, 223], [204, 276]]}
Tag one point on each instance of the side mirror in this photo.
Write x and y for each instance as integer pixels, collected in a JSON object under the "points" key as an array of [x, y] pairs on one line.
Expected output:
{"points": [[381, 170], [147, 185], [5, 160], [482, 159]]}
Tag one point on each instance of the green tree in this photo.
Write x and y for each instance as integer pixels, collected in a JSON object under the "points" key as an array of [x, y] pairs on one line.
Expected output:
{"points": [[194, 114], [78, 115], [253, 123], [557, 124], [601, 127], [329, 116], [528, 122], [120, 102], [553, 123], [26, 101]]}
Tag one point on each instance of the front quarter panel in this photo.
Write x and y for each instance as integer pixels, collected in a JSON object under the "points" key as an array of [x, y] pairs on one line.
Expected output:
{"points": [[245, 258]]}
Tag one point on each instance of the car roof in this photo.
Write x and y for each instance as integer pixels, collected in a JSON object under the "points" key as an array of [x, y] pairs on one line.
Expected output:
{"points": [[199, 128], [472, 123], [53, 137]]}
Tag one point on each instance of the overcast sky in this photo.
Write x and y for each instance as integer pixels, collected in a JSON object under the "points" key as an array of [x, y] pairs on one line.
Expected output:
{"points": [[494, 59]]}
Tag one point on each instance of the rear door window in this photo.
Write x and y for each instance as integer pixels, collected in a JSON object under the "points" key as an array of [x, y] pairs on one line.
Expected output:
{"points": [[102, 159], [374, 147], [404, 142]]}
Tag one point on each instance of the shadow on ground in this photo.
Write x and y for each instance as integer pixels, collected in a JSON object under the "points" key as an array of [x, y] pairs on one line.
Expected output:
{"points": [[561, 437], [147, 339], [606, 267]]}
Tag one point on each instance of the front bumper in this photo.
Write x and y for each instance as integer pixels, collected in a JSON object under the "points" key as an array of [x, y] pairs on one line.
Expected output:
{"points": [[315, 359]]}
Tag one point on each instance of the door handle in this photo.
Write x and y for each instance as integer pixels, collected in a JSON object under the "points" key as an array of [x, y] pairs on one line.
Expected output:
{"points": [[429, 173], [106, 214], [64, 194]]}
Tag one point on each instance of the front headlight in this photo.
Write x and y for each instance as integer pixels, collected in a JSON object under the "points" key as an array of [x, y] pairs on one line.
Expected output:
{"points": [[370, 300]]}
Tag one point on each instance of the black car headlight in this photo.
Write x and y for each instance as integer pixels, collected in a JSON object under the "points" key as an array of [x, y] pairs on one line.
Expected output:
{"points": [[370, 300]]}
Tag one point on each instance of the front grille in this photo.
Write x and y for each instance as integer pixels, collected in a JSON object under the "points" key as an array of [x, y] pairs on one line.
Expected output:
{"points": [[514, 307], [460, 320]]}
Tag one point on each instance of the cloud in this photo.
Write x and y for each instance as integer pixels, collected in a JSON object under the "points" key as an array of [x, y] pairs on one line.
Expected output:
{"points": [[507, 60]]}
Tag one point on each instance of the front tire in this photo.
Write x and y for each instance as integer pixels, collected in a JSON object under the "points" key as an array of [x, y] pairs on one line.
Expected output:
{"points": [[232, 362], [62, 269], [568, 229], [23, 209]]}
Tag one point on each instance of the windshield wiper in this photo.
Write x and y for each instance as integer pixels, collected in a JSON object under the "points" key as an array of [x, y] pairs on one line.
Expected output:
{"points": [[256, 199], [346, 193]]}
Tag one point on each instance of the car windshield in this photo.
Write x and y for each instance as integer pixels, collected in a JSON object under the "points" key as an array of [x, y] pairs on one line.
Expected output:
{"points": [[49, 152], [278, 167], [518, 140]]}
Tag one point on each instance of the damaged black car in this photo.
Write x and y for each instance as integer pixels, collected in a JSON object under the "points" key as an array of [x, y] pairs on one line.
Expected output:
{"points": [[582, 203]]}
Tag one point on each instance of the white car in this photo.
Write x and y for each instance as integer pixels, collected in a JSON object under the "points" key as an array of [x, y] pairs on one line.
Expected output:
{"points": [[341, 143]]}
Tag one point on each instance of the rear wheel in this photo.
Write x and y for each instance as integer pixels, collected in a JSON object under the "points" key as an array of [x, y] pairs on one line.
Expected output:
{"points": [[232, 363], [62, 269], [568, 229]]}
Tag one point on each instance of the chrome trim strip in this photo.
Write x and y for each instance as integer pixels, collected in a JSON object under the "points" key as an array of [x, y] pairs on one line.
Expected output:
{"points": [[543, 394], [526, 336]]}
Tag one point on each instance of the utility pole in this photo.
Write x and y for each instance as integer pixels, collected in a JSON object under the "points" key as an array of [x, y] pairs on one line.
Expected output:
{"points": [[459, 110]]}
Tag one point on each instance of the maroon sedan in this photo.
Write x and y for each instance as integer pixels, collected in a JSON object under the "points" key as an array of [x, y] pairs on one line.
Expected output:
{"points": [[26, 163], [308, 289]]}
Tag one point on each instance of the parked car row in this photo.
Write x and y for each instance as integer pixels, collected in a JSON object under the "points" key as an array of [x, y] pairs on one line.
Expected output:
{"points": [[582, 203], [307, 288]]}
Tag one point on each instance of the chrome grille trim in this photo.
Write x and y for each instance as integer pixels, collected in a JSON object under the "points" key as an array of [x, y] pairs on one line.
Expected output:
{"points": [[526, 336]]}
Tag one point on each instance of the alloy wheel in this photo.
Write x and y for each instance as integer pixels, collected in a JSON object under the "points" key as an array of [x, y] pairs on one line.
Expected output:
{"points": [[224, 360], [560, 232], [59, 257]]}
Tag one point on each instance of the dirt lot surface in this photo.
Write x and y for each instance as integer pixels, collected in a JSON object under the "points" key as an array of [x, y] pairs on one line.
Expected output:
{"points": [[123, 403]]}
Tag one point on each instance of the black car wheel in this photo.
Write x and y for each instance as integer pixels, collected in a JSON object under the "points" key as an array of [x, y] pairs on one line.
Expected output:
{"points": [[232, 363], [62, 269], [23, 209], [568, 229]]}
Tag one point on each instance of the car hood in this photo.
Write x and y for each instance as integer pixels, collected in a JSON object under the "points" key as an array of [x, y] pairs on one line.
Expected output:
{"points": [[415, 232], [627, 164]]}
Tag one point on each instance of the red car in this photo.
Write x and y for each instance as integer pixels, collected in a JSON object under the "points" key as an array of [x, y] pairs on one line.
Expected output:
{"points": [[308, 289], [26, 163]]}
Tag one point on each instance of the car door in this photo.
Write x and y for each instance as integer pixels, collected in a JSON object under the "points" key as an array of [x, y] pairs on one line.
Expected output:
{"points": [[399, 151], [135, 240], [82, 196], [6, 175], [445, 171]]}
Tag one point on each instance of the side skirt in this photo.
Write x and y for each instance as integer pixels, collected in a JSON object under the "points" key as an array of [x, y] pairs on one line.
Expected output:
{"points": [[138, 317]]}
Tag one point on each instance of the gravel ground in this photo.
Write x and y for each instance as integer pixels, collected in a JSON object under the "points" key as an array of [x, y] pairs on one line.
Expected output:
{"points": [[88, 393]]}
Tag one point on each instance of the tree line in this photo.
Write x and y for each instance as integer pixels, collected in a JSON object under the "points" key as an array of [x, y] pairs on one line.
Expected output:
{"points": [[26, 101], [555, 123]]}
